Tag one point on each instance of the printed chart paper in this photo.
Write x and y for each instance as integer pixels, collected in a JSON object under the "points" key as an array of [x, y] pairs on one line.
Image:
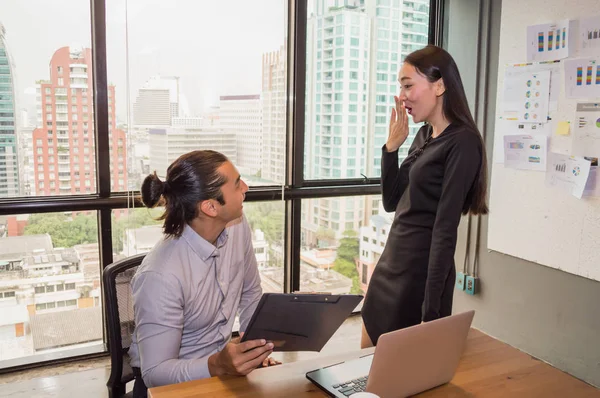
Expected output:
{"points": [[568, 173], [514, 127], [514, 76], [548, 42], [586, 132], [582, 78], [525, 152], [592, 187], [589, 36], [535, 94]]}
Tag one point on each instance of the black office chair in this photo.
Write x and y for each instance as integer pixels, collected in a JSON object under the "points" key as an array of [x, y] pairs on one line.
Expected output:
{"points": [[120, 321]]}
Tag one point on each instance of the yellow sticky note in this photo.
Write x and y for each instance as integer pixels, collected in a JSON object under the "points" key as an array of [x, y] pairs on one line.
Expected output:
{"points": [[563, 128]]}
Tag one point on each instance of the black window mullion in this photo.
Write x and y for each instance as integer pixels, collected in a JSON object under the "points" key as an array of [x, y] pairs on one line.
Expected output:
{"points": [[436, 22], [296, 91], [297, 11], [101, 126], [291, 273]]}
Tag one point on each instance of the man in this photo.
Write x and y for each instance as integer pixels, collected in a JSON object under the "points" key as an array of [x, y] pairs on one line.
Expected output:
{"points": [[188, 289]]}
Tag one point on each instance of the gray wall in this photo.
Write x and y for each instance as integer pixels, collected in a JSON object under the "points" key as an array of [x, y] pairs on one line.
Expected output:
{"points": [[550, 314]]}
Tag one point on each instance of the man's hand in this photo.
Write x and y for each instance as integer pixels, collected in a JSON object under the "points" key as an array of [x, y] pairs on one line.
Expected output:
{"points": [[239, 359], [270, 362], [267, 362]]}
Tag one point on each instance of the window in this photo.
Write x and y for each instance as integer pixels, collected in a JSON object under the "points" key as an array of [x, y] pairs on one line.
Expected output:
{"points": [[63, 272], [261, 119], [340, 259], [49, 62]]}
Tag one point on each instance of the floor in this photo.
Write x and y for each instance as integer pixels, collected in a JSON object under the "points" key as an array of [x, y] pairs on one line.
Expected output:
{"points": [[88, 378]]}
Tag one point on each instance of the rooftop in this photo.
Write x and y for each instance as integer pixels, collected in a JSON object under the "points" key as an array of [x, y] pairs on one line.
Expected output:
{"points": [[21, 246], [63, 328]]}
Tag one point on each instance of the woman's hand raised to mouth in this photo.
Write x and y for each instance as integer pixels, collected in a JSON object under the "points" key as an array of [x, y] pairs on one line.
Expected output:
{"points": [[398, 127]]}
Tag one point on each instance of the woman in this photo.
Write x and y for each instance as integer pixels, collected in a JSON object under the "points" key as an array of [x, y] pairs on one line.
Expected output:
{"points": [[444, 175]]}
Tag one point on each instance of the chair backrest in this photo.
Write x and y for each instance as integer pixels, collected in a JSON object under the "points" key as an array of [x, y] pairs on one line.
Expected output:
{"points": [[120, 322]]}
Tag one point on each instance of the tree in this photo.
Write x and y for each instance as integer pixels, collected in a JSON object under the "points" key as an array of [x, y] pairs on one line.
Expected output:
{"points": [[68, 231], [135, 219], [268, 217], [325, 237], [349, 246], [65, 231], [347, 253]]}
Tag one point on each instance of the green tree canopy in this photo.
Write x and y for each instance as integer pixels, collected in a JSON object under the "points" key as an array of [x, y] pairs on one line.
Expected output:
{"points": [[347, 253], [65, 230], [135, 218], [268, 217]]}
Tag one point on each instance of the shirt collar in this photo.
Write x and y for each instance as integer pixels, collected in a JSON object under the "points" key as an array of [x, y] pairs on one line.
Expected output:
{"points": [[201, 246]]}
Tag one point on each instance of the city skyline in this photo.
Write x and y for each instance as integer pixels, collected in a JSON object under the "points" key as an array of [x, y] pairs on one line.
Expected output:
{"points": [[235, 48]]}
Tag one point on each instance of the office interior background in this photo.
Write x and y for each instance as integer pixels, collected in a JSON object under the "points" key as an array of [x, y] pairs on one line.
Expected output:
{"points": [[297, 94]]}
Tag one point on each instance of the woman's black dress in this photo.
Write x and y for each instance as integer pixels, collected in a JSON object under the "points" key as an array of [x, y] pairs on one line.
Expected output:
{"points": [[414, 278]]}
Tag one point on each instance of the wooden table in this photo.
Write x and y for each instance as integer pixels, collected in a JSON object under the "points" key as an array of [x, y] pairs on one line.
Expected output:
{"points": [[488, 368]]}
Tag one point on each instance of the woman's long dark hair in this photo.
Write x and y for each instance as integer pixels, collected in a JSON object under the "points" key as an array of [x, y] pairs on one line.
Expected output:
{"points": [[435, 63], [192, 178]]}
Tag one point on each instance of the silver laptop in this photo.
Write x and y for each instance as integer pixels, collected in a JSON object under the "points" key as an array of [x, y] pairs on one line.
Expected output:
{"points": [[405, 362]]}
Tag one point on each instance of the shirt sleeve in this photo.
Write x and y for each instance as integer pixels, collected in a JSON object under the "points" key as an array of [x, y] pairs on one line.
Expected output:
{"points": [[394, 179], [463, 161], [158, 307], [251, 290]]}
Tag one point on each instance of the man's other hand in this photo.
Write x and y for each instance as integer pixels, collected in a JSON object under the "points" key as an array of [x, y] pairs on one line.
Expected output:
{"points": [[239, 359]]}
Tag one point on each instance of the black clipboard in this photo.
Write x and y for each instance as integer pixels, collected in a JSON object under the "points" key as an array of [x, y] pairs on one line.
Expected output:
{"points": [[299, 322]]}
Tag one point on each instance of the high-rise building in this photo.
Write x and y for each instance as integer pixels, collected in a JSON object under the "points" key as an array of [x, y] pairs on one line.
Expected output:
{"points": [[152, 107], [63, 144], [354, 52], [273, 95], [159, 101], [399, 28], [9, 163], [242, 115], [26, 159], [372, 239], [167, 144]]}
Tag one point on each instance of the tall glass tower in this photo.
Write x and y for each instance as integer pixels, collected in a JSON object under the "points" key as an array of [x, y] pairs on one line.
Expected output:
{"points": [[9, 165], [355, 49]]}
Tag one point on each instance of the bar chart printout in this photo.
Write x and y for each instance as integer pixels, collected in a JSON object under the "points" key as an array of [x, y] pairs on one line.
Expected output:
{"points": [[582, 78], [589, 36], [548, 42]]}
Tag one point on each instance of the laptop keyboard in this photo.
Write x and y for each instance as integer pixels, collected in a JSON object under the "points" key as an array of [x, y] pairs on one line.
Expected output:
{"points": [[353, 386]]}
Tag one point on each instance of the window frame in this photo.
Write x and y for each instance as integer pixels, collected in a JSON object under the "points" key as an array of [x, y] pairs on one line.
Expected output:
{"points": [[295, 189]]}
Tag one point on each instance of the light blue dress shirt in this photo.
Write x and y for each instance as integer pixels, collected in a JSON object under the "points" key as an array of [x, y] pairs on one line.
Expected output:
{"points": [[186, 294]]}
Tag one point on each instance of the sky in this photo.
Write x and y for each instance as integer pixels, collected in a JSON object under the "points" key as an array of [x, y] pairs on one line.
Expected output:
{"points": [[215, 47]]}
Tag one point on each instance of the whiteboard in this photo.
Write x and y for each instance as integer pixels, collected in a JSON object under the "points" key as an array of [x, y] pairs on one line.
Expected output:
{"points": [[527, 219]]}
